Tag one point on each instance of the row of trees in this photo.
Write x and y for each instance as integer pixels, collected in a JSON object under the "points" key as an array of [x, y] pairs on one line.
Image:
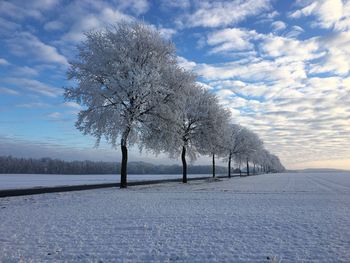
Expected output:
{"points": [[132, 89]]}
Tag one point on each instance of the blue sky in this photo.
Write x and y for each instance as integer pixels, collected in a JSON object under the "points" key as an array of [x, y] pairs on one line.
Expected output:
{"points": [[281, 67]]}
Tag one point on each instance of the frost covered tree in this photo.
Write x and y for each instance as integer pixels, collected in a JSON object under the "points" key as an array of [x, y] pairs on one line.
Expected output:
{"points": [[237, 145], [213, 132], [250, 143], [178, 127], [121, 78], [271, 163], [232, 143], [245, 146], [276, 165], [257, 158]]}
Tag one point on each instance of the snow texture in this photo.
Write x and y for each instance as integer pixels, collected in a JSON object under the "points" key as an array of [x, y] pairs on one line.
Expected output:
{"points": [[301, 217]]}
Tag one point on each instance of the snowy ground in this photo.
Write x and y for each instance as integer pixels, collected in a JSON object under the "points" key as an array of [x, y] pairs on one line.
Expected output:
{"points": [[14, 181], [293, 217]]}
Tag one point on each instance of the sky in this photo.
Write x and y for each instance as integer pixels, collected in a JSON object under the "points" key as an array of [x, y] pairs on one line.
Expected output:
{"points": [[281, 68]]}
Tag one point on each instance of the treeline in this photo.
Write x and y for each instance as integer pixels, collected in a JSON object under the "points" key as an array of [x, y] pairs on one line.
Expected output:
{"points": [[13, 165]]}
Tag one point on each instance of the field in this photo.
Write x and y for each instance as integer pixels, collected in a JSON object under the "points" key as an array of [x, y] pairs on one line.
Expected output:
{"points": [[291, 217]]}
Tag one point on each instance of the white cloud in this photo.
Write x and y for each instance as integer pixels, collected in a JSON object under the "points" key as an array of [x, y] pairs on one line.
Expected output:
{"points": [[186, 64], [33, 105], [259, 70], [92, 21], [55, 115], [35, 86], [344, 22], [26, 44], [24, 71], [278, 26], [79, 16], [271, 15], [337, 52], [328, 13], [333, 62], [204, 85], [167, 32], [223, 13], [138, 7], [53, 25], [16, 11], [4, 61], [7, 27], [72, 104], [294, 32], [293, 49], [8, 91], [19, 10], [224, 93], [183, 4], [231, 39], [305, 11], [43, 4]]}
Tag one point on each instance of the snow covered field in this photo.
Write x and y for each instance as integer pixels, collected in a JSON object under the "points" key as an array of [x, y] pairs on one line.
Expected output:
{"points": [[292, 217], [14, 181]]}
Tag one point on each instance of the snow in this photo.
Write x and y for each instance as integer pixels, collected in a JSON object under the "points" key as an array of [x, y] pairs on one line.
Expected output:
{"points": [[291, 217], [16, 181]]}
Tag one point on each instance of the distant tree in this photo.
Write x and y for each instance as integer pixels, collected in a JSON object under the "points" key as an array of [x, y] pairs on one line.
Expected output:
{"points": [[256, 158], [271, 163], [250, 143], [121, 78], [277, 166]]}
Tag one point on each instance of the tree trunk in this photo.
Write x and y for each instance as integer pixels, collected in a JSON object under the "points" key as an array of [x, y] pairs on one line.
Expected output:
{"points": [[123, 168], [213, 165], [247, 167], [184, 165], [254, 169], [229, 165], [240, 171]]}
